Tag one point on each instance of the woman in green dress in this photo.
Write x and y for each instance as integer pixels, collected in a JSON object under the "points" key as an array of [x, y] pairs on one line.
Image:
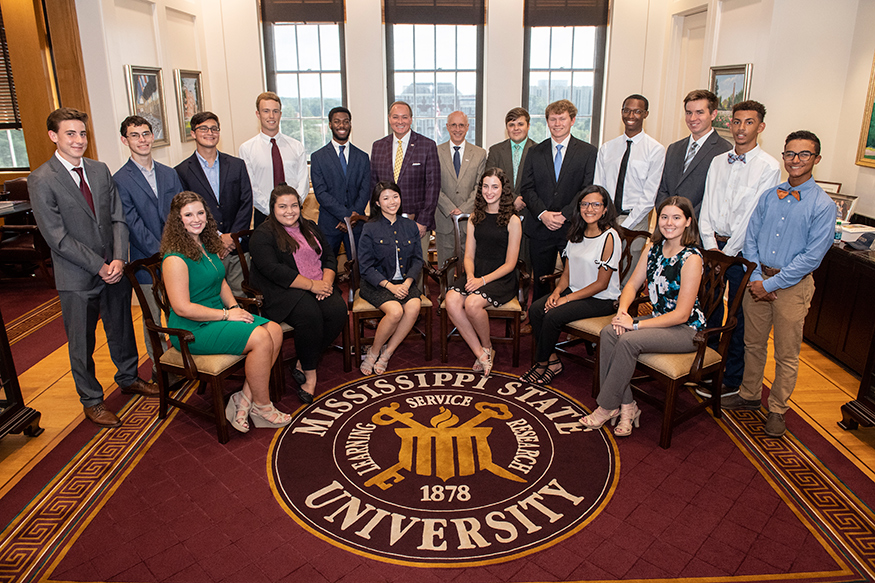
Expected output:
{"points": [[201, 302]]}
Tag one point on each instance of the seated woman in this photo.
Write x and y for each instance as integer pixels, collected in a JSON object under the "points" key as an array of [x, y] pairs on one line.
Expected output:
{"points": [[390, 261], [294, 268], [587, 287], [491, 250], [201, 302], [672, 267]]}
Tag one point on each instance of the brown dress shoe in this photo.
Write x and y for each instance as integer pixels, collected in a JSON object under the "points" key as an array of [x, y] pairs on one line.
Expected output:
{"points": [[141, 387], [102, 417], [527, 329]]}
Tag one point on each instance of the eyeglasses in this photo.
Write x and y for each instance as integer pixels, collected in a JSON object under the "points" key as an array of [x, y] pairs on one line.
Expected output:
{"points": [[804, 156], [136, 136], [627, 111], [207, 130], [595, 205]]}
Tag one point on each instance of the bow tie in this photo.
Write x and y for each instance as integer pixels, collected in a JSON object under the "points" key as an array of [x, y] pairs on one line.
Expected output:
{"points": [[733, 158], [782, 194]]}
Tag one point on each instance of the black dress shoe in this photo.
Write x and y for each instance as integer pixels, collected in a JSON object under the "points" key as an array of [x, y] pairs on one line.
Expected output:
{"points": [[298, 375], [304, 396]]}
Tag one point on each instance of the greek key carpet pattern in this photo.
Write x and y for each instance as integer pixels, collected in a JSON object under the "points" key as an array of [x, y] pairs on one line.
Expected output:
{"points": [[25, 325]]}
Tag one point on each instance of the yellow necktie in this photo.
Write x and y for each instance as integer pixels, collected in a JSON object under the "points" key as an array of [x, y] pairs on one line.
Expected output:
{"points": [[399, 157]]}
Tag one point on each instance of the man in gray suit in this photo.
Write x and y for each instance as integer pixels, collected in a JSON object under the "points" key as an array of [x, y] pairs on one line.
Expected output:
{"points": [[79, 212], [687, 160], [462, 164]]}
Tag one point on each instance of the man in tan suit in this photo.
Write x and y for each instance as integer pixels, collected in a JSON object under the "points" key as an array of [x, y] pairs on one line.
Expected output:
{"points": [[462, 164]]}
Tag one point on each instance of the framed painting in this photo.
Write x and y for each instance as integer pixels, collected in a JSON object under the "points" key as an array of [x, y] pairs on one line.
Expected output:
{"points": [[189, 99], [866, 149], [731, 85], [146, 99]]}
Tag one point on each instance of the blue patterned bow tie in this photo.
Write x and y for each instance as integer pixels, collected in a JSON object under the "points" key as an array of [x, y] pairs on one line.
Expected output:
{"points": [[733, 158]]}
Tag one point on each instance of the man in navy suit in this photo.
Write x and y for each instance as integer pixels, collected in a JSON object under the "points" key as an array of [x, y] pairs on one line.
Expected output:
{"points": [[687, 160], [410, 160], [555, 171], [341, 176], [224, 183], [146, 189]]}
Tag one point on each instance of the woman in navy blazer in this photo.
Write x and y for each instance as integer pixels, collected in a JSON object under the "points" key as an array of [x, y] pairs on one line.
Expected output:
{"points": [[390, 261], [294, 268]]}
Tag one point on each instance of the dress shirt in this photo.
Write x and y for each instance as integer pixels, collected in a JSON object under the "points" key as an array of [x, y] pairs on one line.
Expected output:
{"points": [[701, 142], [516, 155], [212, 172], [461, 147], [563, 143], [70, 167], [256, 152], [643, 173], [731, 194], [790, 235], [345, 150], [405, 141], [149, 175]]}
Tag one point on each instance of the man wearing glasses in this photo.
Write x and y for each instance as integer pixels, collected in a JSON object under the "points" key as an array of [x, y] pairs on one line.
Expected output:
{"points": [[790, 231], [222, 180], [146, 189], [629, 167]]}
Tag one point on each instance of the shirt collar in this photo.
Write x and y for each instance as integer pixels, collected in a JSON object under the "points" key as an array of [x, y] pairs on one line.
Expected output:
{"points": [[636, 138], [203, 160], [701, 140], [748, 156], [802, 189], [405, 140], [460, 146], [143, 168], [66, 164], [266, 138], [563, 143]]}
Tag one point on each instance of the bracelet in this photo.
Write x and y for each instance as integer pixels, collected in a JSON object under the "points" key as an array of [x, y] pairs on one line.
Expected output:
{"points": [[224, 314], [483, 279], [235, 306]]}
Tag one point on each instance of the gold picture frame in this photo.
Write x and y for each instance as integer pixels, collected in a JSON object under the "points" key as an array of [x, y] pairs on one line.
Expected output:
{"points": [[189, 99], [731, 85], [866, 149], [146, 99]]}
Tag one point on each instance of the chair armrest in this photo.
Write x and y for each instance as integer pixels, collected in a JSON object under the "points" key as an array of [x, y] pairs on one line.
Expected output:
{"points": [[551, 279], [185, 337], [442, 276], [252, 305], [19, 228], [252, 292]]}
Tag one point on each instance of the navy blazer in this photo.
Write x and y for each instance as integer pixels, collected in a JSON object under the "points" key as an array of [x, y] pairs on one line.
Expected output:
{"points": [[338, 194], [144, 212], [233, 210], [376, 250]]}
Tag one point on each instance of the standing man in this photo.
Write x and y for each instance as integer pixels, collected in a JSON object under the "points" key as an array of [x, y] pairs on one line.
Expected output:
{"points": [[462, 164], [341, 175], [410, 160], [222, 180], [146, 189], [789, 233], [688, 159], [78, 211], [555, 171], [273, 158], [629, 167], [736, 179]]}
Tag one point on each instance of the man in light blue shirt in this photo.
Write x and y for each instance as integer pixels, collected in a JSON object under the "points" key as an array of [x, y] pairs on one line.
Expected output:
{"points": [[789, 233]]}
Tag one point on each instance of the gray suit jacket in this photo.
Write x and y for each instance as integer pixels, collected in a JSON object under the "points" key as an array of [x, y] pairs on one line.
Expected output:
{"points": [[691, 184], [457, 191], [501, 156], [81, 241]]}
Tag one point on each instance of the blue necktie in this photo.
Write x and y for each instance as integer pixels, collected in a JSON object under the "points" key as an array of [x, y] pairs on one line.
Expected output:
{"points": [[557, 161], [342, 160], [457, 162]]}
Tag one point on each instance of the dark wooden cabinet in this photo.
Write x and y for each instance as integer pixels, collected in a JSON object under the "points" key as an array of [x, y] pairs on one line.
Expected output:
{"points": [[14, 416]]}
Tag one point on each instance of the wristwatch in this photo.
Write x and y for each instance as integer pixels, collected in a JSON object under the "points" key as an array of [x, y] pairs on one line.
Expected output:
{"points": [[634, 324]]}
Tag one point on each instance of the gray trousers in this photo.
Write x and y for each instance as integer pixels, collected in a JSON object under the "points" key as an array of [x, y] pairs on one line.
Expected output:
{"points": [[234, 273], [618, 355]]}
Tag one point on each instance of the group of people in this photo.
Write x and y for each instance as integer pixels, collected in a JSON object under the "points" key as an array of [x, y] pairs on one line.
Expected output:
{"points": [[539, 202]]}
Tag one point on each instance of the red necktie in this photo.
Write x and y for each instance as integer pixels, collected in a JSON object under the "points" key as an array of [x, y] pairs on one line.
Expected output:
{"points": [[83, 186], [782, 194], [279, 175]]}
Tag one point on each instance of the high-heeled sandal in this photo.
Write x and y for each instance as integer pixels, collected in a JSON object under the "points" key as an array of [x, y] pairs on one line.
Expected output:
{"points": [[549, 374], [489, 355], [367, 366], [237, 411], [599, 417], [629, 415], [383, 362], [269, 416], [534, 373]]}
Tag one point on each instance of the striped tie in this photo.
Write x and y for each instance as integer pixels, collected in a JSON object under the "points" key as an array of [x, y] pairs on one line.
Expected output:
{"points": [[694, 147], [399, 157]]}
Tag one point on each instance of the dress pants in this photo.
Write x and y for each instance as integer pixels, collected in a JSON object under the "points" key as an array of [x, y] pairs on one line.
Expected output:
{"points": [[316, 323], [335, 237], [618, 355], [787, 316], [734, 372], [543, 254], [80, 310], [234, 273], [546, 327], [156, 315]]}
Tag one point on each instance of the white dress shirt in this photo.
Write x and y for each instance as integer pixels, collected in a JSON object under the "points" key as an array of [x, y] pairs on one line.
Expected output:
{"points": [[731, 195], [643, 173], [74, 174], [256, 152]]}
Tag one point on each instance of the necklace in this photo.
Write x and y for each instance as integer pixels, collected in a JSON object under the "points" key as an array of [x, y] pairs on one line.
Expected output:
{"points": [[210, 259]]}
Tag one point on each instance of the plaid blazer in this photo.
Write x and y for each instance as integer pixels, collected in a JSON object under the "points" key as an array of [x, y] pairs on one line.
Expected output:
{"points": [[420, 177]]}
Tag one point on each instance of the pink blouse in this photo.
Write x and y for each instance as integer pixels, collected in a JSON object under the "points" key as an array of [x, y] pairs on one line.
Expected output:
{"points": [[308, 260]]}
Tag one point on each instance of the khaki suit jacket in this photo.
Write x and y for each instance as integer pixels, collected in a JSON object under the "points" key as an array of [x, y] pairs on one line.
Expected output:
{"points": [[457, 191]]}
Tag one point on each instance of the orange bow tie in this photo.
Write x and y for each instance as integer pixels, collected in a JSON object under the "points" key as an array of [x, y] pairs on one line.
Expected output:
{"points": [[782, 194]]}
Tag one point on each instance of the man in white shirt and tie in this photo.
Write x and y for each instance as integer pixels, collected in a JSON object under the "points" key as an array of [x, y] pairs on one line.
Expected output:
{"points": [[273, 158]]}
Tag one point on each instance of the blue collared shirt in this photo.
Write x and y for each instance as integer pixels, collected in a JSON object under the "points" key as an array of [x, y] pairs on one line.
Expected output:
{"points": [[790, 235], [212, 172], [385, 247]]}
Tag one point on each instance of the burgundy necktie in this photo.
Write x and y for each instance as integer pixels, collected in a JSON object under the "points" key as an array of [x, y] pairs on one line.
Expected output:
{"points": [[83, 186], [279, 175]]}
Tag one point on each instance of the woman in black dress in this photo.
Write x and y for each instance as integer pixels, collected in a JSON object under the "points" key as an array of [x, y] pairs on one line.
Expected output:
{"points": [[491, 251]]}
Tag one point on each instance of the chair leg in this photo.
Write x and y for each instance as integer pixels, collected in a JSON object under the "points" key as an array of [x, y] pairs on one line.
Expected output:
{"points": [[428, 334], [516, 340], [218, 388], [671, 394], [596, 375], [163, 392], [444, 331], [347, 358], [357, 336], [277, 380]]}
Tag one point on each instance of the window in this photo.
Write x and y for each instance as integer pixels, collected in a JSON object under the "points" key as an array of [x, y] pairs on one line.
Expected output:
{"points": [[13, 155], [435, 62]]}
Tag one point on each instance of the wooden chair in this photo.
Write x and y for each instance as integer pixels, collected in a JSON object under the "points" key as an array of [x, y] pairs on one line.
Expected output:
{"points": [[288, 331], [206, 369], [511, 312], [674, 370], [362, 310], [20, 238], [587, 330]]}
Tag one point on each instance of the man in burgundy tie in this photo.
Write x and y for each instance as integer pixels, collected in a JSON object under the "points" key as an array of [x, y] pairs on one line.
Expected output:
{"points": [[79, 212]]}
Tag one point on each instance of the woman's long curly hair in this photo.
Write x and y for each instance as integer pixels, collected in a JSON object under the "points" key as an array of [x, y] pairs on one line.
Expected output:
{"points": [[505, 203], [286, 242], [176, 239], [607, 221]]}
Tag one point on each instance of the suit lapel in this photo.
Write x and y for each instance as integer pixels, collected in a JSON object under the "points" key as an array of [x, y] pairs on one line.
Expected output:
{"points": [[194, 165], [408, 156], [139, 179], [519, 173], [465, 162], [223, 173], [70, 187]]}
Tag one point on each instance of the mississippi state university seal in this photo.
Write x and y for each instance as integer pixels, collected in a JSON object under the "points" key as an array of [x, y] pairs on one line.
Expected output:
{"points": [[442, 467]]}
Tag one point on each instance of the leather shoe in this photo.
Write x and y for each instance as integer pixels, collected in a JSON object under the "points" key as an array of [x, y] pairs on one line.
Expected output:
{"points": [[527, 329], [298, 374], [775, 425], [141, 387], [304, 396], [102, 417], [737, 402]]}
